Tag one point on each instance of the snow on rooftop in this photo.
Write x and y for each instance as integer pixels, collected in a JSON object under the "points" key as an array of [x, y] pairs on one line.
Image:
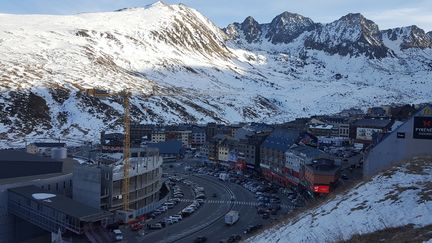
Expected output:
{"points": [[42, 196]]}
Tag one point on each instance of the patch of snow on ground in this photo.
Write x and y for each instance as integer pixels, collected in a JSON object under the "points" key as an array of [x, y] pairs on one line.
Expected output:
{"points": [[392, 199]]}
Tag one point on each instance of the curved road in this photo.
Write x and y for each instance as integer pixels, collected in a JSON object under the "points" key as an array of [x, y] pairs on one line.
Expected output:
{"points": [[204, 215], [244, 203]]}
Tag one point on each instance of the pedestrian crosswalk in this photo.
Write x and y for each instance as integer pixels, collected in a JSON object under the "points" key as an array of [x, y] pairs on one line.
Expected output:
{"points": [[253, 204]]}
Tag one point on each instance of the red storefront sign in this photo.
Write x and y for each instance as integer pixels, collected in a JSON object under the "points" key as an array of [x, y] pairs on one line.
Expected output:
{"points": [[241, 165], [321, 188]]}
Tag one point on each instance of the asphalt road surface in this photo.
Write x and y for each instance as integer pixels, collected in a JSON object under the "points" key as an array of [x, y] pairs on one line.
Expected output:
{"points": [[244, 203], [204, 216]]}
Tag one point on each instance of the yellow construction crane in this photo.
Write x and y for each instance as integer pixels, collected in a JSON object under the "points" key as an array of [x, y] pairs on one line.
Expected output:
{"points": [[126, 142], [126, 150]]}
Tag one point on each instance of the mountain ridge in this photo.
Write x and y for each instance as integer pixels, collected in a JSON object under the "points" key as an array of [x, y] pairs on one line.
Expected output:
{"points": [[192, 70], [349, 35]]}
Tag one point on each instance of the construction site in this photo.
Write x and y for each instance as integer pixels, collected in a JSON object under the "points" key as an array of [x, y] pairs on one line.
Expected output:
{"points": [[73, 199]]}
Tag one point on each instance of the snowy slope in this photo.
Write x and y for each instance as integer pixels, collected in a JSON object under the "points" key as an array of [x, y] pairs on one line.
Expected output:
{"points": [[395, 198], [193, 70]]}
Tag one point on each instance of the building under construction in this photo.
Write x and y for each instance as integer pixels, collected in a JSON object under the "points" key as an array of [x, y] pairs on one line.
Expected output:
{"points": [[100, 186]]}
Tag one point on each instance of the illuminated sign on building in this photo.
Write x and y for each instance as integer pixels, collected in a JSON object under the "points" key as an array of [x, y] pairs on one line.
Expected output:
{"points": [[422, 128], [321, 188]]}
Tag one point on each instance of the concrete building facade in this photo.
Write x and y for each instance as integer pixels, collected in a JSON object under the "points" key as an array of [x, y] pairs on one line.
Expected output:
{"points": [[158, 136], [100, 186], [54, 181], [413, 138]]}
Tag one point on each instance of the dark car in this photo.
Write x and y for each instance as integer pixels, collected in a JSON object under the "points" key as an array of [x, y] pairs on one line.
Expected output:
{"points": [[234, 238], [154, 226], [265, 215], [136, 226], [248, 229], [200, 239], [252, 228], [262, 210], [214, 195]]}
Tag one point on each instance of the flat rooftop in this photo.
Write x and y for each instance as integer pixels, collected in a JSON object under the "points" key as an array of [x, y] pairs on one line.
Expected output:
{"points": [[61, 203], [375, 123], [323, 170], [68, 165], [18, 155]]}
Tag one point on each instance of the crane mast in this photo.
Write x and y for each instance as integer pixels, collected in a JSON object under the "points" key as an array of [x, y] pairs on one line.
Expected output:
{"points": [[126, 142], [126, 151]]}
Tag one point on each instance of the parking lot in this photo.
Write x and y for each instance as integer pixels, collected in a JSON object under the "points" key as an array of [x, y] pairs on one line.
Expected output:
{"points": [[200, 198]]}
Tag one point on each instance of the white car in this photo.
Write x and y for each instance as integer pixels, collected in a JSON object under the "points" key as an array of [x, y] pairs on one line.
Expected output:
{"points": [[163, 209], [174, 219], [178, 216], [189, 209], [169, 204], [118, 235], [169, 221]]}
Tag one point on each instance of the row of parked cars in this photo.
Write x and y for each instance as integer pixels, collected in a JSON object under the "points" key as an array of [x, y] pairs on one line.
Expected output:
{"points": [[176, 217], [177, 195], [164, 208], [231, 239]]}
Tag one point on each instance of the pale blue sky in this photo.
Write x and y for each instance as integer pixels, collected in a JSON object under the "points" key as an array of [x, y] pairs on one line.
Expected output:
{"points": [[386, 13]]}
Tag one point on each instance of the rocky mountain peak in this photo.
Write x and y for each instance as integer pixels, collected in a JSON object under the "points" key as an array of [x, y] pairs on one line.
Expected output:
{"points": [[354, 18], [179, 57], [251, 29], [287, 26], [352, 35], [356, 21], [249, 21], [409, 37], [232, 31], [429, 34]]}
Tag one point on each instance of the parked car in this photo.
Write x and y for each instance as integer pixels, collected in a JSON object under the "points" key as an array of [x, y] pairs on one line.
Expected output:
{"points": [[234, 238], [156, 226], [177, 216], [136, 226], [118, 235], [187, 211], [169, 204], [252, 228], [174, 219]]}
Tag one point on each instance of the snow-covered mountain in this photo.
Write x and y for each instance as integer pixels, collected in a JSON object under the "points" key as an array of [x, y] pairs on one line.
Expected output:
{"points": [[195, 71], [408, 37], [399, 197]]}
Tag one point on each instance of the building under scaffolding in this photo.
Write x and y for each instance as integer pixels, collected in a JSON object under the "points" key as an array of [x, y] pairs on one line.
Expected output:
{"points": [[100, 186]]}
